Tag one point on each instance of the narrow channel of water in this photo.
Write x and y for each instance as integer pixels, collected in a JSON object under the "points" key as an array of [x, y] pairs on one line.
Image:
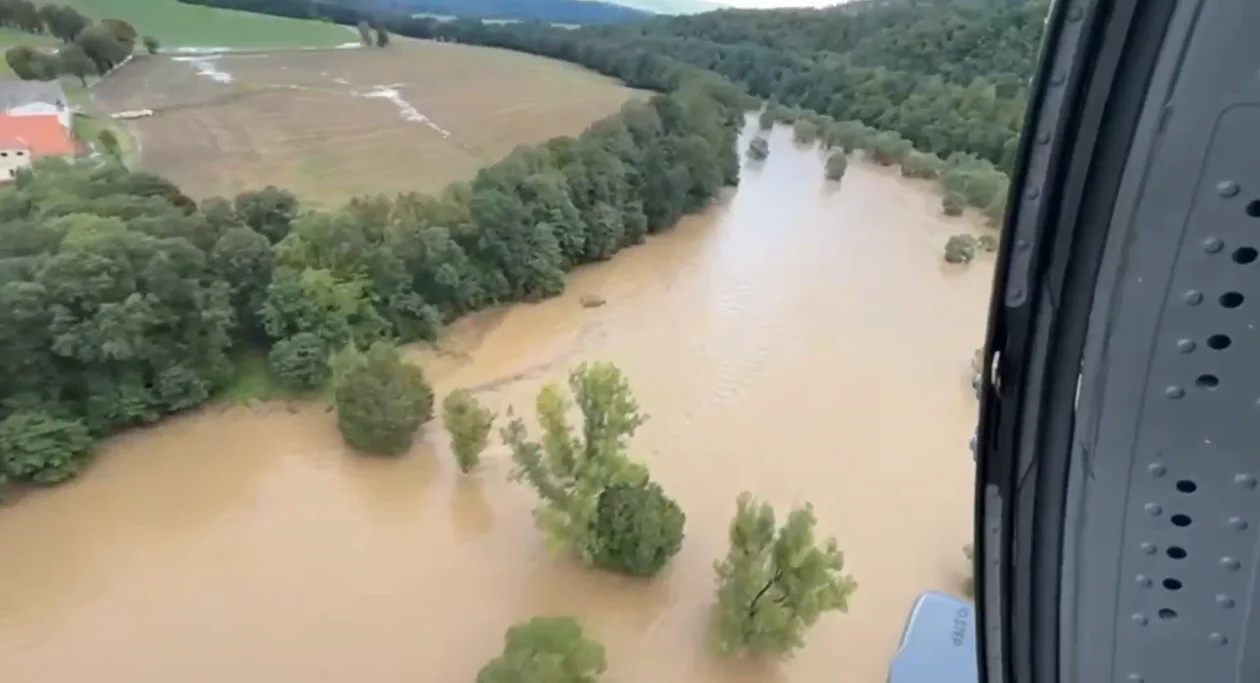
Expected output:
{"points": [[801, 340]]}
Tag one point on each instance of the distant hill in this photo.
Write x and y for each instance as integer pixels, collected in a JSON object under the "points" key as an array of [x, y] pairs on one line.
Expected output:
{"points": [[674, 6], [549, 11]]}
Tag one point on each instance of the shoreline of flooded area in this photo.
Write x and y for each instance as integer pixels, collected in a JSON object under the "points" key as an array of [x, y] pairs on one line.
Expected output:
{"points": [[800, 340]]}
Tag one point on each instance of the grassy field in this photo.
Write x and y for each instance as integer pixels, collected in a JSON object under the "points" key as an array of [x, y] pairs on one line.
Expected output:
{"points": [[179, 25], [333, 124]]}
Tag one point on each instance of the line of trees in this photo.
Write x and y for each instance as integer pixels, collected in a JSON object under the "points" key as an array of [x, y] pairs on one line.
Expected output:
{"points": [[87, 49]]}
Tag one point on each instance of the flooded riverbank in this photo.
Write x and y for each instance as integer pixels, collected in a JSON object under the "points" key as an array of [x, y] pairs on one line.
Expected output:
{"points": [[799, 340]]}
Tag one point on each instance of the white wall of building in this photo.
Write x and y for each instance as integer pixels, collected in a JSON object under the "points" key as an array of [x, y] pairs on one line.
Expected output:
{"points": [[13, 160]]}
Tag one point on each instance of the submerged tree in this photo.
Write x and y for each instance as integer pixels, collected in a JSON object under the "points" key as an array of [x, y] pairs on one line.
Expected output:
{"points": [[960, 249], [837, 164], [758, 149], [468, 423], [546, 650], [765, 120], [805, 131], [776, 582], [380, 399], [596, 502]]}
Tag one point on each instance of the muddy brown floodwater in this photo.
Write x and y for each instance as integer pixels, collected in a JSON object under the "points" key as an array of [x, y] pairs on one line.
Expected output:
{"points": [[800, 341]]}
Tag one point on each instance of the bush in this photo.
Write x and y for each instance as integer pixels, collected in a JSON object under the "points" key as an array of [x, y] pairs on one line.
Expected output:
{"points": [[952, 204], [546, 649], [380, 399], [960, 249], [637, 529], [889, 148], [848, 135], [468, 423], [38, 448], [920, 165], [758, 149], [987, 242], [805, 131], [836, 165], [300, 362]]}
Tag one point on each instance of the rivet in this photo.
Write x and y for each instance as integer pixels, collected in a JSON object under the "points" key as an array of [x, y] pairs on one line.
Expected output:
{"points": [[1136, 678], [1212, 245], [1043, 139], [1153, 510], [1074, 14], [1185, 345], [1157, 470], [1219, 639], [1174, 392], [1225, 601], [1033, 193], [1021, 245], [1193, 297], [1245, 480], [1231, 564], [1148, 548], [1238, 523], [1143, 580], [1227, 188], [1056, 79], [1139, 619]]}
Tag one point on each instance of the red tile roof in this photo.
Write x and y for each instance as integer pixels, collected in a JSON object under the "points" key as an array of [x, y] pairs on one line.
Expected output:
{"points": [[42, 134]]}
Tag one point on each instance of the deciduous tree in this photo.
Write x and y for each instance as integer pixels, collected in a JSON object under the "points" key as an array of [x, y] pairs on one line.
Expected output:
{"points": [[39, 448], [837, 164], [381, 400], [468, 423], [776, 581], [75, 62], [571, 470], [758, 149]]}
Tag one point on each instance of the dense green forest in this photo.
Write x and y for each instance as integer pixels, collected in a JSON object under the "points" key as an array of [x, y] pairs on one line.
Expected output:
{"points": [[553, 11]]}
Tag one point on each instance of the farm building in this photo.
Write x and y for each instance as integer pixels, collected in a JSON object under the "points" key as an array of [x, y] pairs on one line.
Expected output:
{"points": [[28, 137], [29, 98]]}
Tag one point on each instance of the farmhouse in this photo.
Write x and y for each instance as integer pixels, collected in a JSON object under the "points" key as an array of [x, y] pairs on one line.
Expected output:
{"points": [[26, 98], [29, 137]]}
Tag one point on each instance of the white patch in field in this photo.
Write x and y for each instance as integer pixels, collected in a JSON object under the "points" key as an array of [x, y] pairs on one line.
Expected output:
{"points": [[208, 67], [405, 108]]}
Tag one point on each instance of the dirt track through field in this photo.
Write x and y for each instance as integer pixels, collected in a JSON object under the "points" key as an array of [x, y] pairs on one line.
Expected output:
{"points": [[333, 124]]}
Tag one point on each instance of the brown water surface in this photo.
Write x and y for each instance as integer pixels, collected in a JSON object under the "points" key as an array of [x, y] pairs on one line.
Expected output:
{"points": [[801, 341]]}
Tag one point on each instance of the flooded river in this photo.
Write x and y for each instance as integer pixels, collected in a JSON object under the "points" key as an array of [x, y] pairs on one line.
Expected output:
{"points": [[800, 341]]}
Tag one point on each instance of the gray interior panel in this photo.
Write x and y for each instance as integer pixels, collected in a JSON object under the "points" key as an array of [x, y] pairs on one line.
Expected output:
{"points": [[1162, 551]]}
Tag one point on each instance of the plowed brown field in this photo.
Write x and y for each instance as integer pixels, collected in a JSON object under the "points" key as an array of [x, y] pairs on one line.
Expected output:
{"points": [[332, 124]]}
